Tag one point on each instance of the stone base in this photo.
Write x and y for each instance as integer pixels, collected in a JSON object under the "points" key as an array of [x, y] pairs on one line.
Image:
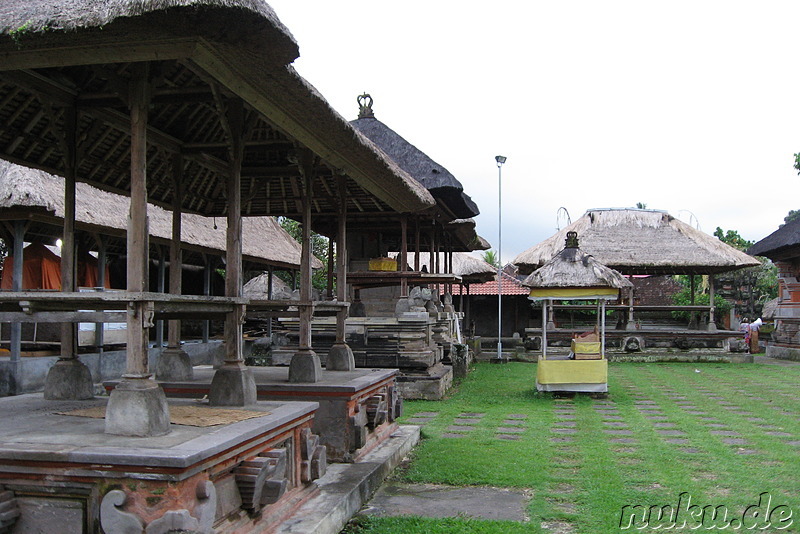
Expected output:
{"points": [[68, 379], [232, 385], [174, 364], [64, 474], [340, 358], [430, 385], [305, 367], [137, 407]]}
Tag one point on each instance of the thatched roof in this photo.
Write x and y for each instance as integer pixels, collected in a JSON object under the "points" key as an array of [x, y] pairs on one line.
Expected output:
{"points": [[470, 268], [636, 241], [445, 188], [258, 288], [37, 196], [572, 268], [781, 244], [202, 55]]}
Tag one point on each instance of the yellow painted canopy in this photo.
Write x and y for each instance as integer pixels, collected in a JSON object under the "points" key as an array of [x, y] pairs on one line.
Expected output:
{"points": [[577, 293]]}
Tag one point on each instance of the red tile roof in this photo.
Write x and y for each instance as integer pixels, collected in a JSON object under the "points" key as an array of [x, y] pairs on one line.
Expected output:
{"points": [[511, 286]]}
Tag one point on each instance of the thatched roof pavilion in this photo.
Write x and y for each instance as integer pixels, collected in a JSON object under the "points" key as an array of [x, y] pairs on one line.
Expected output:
{"points": [[37, 197], [783, 243], [573, 271], [638, 241], [469, 268], [192, 105], [445, 188]]}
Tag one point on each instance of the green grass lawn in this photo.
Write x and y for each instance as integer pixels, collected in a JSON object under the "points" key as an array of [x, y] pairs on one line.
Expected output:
{"points": [[723, 436]]}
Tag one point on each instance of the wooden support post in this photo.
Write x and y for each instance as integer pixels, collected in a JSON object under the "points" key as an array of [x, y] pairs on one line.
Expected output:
{"points": [[340, 356], [416, 244], [270, 278], [305, 365], [161, 285], [173, 363], [16, 285], [712, 324], [403, 255], [207, 273], [233, 383], [69, 378], [330, 270], [102, 262], [138, 406]]}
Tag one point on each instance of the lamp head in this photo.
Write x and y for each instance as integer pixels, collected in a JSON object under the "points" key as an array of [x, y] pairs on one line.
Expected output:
{"points": [[500, 160]]}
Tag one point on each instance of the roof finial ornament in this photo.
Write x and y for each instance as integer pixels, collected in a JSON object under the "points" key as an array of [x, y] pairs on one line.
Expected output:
{"points": [[572, 240], [365, 107]]}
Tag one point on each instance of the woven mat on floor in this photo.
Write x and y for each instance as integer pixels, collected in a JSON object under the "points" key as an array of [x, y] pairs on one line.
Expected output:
{"points": [[184, 415]]}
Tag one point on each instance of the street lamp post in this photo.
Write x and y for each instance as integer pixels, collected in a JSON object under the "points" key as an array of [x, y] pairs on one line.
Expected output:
{"points": [[500, 160]]}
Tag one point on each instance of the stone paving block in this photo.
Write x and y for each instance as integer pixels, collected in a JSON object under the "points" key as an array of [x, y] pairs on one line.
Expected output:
{"points": [[426, 414], [471, 414], [716, 425], [793, 443], [510, 430], [562, 439], [614, 423], [617, 432], [418, 420], [622, 440], [570, 424], [676, 441], [564, 416], [730, 433], [639, 402], [668, 432], [516, 416], [513, 422], [741, 450], [460, 428], [734, 441], [663, 424], [778, 433], [689, 450], [466, 420], [510, 437], [453, 435], [563, 430]]}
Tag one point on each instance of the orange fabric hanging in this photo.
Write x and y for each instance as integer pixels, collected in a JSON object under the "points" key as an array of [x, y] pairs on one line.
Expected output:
{"points": [[88, 272], [41, 269]]}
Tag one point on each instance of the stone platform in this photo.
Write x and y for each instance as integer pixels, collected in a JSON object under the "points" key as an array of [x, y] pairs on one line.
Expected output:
{"points": [[62, 473], [357, 409]]}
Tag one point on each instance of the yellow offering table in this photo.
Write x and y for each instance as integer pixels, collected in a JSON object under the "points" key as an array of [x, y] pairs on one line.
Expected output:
{"points": [[572, 375]]}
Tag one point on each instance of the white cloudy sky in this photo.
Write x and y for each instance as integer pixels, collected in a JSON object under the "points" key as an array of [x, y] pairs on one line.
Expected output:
{"points": [[692, 107]]}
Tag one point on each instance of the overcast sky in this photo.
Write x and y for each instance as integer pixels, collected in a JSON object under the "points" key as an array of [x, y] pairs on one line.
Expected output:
{"points": [[692, 107]]}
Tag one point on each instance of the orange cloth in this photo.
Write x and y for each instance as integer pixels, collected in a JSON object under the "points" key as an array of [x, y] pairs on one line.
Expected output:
{"points": [[41, 269]]}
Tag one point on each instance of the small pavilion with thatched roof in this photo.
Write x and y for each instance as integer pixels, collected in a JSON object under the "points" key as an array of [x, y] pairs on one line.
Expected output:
{"points": [[574, 275], [643, 242]]}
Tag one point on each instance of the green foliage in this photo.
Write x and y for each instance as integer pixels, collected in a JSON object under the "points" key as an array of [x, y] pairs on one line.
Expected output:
{"points": [[641, 205], [797, 162], [319, 248], [793, 214], [490, 257], [684, 298], [732, 238]]}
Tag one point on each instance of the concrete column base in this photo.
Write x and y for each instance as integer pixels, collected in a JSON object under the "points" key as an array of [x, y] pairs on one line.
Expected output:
{"points": [[340, 358], [232, 385], [305, 367], [69, 379], [137, 407], [711, 327], [174, 365]]}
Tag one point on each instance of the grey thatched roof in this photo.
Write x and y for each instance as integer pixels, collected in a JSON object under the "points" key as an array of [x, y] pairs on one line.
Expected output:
{"points": [[258, 288], [470, 268], [780, 244], [203, 54], [263, 239], [572, 268], [446, 189], [636, 241]]}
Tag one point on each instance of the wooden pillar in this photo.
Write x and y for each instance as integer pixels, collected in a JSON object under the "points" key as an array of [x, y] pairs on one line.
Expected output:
{"points": [[712, 325], [403, 254], [305, 365], [270, 278], [69, 378], [207, 273], [330, 270], [16, 285], [138, 406], [161, 287], [432, 252], [102, 261], [174, 364], [340, 356], [416, 244], [233, 383]]}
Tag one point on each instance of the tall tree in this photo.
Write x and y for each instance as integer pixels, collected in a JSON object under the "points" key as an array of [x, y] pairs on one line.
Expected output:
{"points": [[319, 248], [490, 257]]}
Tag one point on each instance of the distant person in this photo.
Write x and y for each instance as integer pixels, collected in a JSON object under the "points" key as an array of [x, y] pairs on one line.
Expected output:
{"points": [[753, 328]]}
